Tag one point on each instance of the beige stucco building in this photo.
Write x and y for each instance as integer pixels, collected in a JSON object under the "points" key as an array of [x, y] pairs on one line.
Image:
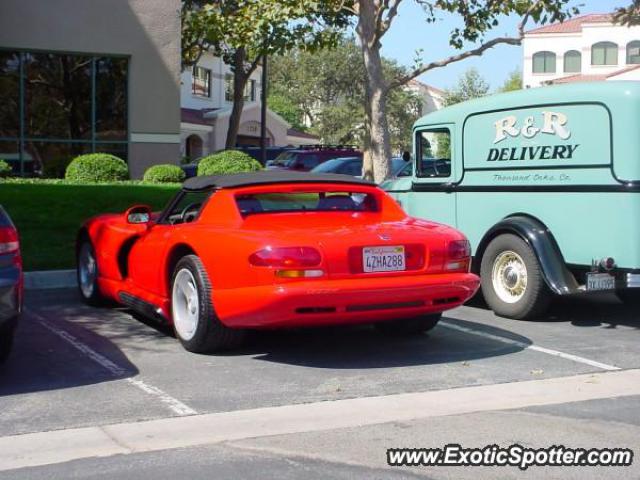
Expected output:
{"points": [[586, 48], [89, 76], [206, 95]]}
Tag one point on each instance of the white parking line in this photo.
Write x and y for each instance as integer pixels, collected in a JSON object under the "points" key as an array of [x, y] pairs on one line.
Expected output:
{"points": [[548, 351], [175, 405]]}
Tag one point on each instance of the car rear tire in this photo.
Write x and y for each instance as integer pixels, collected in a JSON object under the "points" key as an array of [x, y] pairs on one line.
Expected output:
{"points": [[630, 296], [409, 326], [87, 274], [194, 320], [6, 341], [511, 279]]}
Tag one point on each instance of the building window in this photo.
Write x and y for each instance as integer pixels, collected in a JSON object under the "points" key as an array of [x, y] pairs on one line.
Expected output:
{"points": [[544, 62], [201, 82], [56, 106], [250, 91], [633, 53], [572, 62], [604, 53], [228, 87]]}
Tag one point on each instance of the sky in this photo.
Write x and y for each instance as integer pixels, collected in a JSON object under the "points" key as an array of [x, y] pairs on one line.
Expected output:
{"points": [[410, 32]]}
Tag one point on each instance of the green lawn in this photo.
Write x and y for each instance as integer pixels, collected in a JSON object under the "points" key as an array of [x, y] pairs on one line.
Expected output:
{"points": [[48, 214]]}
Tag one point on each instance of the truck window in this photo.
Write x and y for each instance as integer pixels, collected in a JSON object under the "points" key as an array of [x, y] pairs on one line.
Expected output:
{"points": [[434, 153]]}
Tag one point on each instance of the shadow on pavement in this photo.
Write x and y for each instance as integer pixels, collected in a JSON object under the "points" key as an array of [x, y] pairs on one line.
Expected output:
{"points": [[363, 347], [42, 359], [594, 310]]}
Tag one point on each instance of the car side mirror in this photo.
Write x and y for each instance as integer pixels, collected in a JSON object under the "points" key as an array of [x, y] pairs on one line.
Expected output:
{"points": [[138, 214], [406, 156]]}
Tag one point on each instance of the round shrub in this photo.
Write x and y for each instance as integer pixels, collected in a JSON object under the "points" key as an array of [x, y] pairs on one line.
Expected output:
{"points": [[97, 167], [164, 174], [227, 161], [5, 169]]}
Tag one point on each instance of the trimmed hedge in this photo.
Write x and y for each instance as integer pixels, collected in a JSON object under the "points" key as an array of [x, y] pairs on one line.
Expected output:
{"points": [[164, 174], [96, 167], [5, 169], [226, 162]]}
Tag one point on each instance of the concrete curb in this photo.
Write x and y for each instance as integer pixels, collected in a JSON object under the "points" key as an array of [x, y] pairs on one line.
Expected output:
{"points": [[50, 279]]}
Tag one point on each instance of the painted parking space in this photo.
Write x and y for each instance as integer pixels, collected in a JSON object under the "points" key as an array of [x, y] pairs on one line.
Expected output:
{"points": [[98, 366]]}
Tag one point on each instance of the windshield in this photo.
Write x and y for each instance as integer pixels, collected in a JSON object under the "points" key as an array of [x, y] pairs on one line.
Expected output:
{"points": [[329, 166], [285, 159]]}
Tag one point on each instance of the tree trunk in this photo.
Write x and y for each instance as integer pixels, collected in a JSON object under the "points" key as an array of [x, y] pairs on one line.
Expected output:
{"points": [[377, 150], [240, 77]]}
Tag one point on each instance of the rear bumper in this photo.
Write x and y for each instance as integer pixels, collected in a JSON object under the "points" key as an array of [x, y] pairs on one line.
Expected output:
{"points": [[327, 302]]}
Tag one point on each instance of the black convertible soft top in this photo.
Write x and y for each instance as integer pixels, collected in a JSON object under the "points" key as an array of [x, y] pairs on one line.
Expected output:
{"points": [[266, 177]]}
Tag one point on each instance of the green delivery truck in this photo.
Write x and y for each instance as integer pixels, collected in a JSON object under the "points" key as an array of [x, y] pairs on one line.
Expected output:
{"points": [[546, 185]]}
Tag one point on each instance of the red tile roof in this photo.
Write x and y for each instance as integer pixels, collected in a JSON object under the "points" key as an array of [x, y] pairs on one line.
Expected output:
{"points": [[573, 25], [297, 133], [593, 78]]}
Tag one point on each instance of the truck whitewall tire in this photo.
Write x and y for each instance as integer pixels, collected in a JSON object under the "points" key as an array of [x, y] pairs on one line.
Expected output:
{"points": [[512, 281]]}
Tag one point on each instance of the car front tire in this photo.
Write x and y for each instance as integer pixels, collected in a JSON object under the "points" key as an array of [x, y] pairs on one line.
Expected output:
{"points": [[194, 320], [409, 326], [87, 274], [511, 279]]}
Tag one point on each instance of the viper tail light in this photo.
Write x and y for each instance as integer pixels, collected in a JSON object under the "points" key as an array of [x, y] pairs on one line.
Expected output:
{"points": [[458, 256], [286, 257]]}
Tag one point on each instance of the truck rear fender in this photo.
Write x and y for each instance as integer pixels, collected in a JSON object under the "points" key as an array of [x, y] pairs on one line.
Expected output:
{"points": [[554, 270]]}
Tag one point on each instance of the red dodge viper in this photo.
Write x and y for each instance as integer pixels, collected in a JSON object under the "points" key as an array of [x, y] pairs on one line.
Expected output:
{"points": [[275, 249]]}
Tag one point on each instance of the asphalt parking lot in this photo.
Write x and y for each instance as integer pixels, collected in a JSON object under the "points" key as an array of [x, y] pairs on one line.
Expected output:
{"points": [[76, 367]]}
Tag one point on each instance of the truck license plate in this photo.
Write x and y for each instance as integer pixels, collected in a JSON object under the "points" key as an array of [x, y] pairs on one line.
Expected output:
{"points": [[383, 259], [600, 281]]}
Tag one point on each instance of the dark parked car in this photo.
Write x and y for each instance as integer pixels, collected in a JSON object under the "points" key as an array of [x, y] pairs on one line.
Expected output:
{"points": [[191, 169], [272, 152], [11, 283], [353, 166], [307, 157]]}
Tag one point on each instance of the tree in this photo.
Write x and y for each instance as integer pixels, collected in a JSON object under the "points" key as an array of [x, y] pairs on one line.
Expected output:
{"points": [[628, 15], [470, 85], [327, 89], [287, 109], [478, 18], [513, 82], [242, 32]]}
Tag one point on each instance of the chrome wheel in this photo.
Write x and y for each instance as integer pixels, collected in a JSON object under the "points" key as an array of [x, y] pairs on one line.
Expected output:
{"points": [[87, 270], [185, 304], [509, 277]]}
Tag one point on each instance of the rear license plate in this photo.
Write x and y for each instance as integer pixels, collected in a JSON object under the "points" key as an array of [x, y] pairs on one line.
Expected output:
{"points": [[600, 281], [383, 259]]}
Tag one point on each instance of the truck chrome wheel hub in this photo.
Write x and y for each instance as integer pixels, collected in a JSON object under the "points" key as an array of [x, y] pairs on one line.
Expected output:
{"points": [[509, 277]]}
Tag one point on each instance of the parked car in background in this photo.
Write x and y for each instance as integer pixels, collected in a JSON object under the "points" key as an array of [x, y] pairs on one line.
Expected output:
{"points": [[546, 184], [272, 152], [191, 169], [353, 166], [11, 283], [306, 249], [307, 157]]}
